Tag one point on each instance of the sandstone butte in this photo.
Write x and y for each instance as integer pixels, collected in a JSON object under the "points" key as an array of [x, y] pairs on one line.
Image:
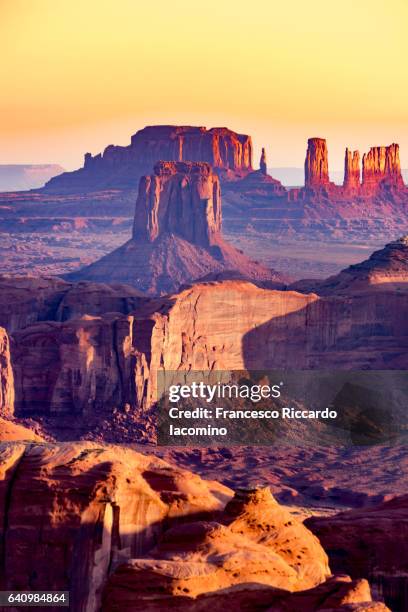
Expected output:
{"points": [[122, 167], [125, 531], [176, 235], [83, 371]]}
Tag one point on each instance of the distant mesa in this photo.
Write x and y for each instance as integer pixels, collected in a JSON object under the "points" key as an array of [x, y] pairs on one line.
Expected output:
{"points": [[20, 177], [351, 170], [385, 270], [121, 167], [176, 234]]}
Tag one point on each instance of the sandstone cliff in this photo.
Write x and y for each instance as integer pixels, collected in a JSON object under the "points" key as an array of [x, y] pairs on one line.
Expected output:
{"points": [[316, 163], [122, 167], [176, 235], [25, 300], [92, 375]]}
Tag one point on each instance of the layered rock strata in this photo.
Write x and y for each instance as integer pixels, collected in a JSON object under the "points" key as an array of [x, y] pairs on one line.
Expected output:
{"points": [[122, 167]]}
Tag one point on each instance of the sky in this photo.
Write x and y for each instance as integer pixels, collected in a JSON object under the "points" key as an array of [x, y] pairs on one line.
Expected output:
{"points": [[77, 75]]}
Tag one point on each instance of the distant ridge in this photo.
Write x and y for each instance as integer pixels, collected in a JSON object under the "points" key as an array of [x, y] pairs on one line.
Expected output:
{"points": [[19, 177]]}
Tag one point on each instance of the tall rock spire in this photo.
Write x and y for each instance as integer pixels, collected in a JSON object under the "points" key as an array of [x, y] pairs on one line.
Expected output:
{"points": [[351, 170], [316, 163], [262, 163]]}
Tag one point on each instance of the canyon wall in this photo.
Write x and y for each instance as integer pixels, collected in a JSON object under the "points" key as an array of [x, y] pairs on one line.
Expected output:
{"points": [[92, 368], [122, 167], [181, 198]]}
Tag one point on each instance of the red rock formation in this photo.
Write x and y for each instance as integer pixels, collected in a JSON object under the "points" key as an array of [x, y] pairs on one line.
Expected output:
{"points": [[104, 368], [262, 163], [351, 170], [69, 513], [370, 542], [176, 235], [382, 164], [6, 376], [254, 544], [122, 167], [181, 198], [25, 300], [316, 163]]}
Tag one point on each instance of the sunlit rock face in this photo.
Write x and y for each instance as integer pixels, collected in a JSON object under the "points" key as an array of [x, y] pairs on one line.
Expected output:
{"points": [[122, 167], [316, 163], [351, 170], [382, 164]]}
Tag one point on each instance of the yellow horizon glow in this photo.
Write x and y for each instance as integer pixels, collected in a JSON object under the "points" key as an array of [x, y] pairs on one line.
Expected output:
{"points": [[76, 75]]}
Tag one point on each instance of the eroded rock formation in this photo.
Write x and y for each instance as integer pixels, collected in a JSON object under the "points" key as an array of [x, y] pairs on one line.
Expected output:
{"points": [[262, 163], [382, 164], [254, 555], [25, 300], [6, 376], [122, 167], [316, 163], [351, 170], [70, 513], [181, 198], [176, 235]]}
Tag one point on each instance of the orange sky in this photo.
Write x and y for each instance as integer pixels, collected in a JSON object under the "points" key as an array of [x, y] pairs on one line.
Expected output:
{"points": [[77, 75]]}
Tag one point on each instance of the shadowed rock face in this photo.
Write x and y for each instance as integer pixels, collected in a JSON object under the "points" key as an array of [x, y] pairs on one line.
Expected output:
{"points": [[122, 167], [371, 543], [382, 164], [316, 163], [176, 235]]}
